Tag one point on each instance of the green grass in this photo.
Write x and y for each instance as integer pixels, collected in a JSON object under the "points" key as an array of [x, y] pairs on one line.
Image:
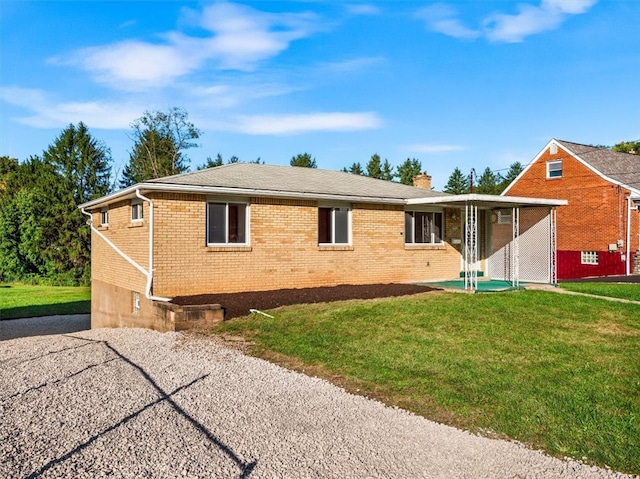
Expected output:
{"points": [[613, 290], [557, 372], [25, 301]]}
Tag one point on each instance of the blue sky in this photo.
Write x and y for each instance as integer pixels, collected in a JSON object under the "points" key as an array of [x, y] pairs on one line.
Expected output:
{"points": [[452, 83]]}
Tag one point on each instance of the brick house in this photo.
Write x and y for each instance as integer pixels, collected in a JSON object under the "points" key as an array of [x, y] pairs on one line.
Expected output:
{"points": [[598, 232], [248, 227]]}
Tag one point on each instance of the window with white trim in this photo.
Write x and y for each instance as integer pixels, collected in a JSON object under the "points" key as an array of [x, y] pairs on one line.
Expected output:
{"points": [[227, 223], [504, 217], [334, 225], [136, 210], [136, 303], [554, 169], [589, 257], [423, 227], [104, 217]]}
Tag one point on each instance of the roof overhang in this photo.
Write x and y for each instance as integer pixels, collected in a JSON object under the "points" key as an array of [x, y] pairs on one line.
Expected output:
{"points": [[487, 202], [447, 201], [130, 193]]}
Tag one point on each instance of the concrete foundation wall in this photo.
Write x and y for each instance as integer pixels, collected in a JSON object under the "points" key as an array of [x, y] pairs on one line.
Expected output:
{"points": [[113, 307]]}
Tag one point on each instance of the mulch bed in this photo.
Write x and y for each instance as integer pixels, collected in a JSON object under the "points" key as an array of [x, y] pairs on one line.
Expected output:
{"points": [[239, 304]]}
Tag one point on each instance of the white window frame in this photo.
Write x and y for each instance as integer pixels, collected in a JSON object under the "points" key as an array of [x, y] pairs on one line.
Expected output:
{"points": [[589, 257], [104, 217], [552, 169], [410, 239], [333, 209], [136, 303], [247, 220], [137, 211], [504, 217]]}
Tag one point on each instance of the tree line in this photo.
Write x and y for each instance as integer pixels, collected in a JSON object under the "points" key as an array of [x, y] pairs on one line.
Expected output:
{"points": [[45, 238]]}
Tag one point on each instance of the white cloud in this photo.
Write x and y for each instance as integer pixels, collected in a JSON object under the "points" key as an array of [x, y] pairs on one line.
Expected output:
{"points": [[434, 148], [46, 113], [363, 9], [502, 27], [301, 123], [352, 65], [443, 19], [236, 37]]}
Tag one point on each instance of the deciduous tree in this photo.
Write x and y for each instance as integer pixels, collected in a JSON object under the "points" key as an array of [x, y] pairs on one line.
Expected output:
{"points": [[160, 140]]}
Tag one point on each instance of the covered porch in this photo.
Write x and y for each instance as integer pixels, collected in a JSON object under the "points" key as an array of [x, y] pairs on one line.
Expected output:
{"points": [[510, 239]]}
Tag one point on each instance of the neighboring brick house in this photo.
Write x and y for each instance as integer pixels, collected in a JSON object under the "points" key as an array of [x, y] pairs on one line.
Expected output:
{"points": [[597, 233], [248, 227]]}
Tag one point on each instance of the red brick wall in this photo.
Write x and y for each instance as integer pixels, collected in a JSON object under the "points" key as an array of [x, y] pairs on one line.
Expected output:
{"points": [[597, 211]]}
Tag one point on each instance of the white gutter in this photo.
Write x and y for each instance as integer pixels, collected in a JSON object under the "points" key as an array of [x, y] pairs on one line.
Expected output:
{"points": [[133, 263], [130, 192], [147, 292], [491, 200]]}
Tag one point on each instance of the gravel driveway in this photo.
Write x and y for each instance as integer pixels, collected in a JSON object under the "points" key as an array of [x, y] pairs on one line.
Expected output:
{"points": [[136, 403]]}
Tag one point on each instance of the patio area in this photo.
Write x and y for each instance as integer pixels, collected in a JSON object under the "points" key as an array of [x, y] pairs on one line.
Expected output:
{"points": [[483, 285]]}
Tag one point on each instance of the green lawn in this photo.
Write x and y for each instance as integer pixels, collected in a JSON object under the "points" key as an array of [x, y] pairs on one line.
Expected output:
{"points": [[25, 301], [557, 372], [613, 290]]}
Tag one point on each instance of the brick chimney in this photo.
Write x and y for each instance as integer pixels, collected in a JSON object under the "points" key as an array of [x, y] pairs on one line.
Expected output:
{"points": [[422, 181]]}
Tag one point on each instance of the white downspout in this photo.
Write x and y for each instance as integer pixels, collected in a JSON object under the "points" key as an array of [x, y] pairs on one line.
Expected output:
{"points": [[148, 274], [147, 292], [628, 235]]}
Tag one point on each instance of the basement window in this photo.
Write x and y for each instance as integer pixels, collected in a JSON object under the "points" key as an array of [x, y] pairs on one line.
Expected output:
{"points": [[422, 227], [554, 169], [136, 210], [334, 225], [589, 257], [136, 303], [227, 223]]}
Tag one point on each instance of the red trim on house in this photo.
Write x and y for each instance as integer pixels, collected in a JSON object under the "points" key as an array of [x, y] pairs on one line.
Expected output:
{"points": [[570, 265]]}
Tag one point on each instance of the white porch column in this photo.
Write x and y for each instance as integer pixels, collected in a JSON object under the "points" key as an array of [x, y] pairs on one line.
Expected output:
{"points": [[471, 247], [515, 251]]}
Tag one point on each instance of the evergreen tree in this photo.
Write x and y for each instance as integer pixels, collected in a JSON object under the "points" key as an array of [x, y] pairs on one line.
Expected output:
{"points": [[356, 169], [304, 160], [386, 172], [43, 235], [374, 167], [514, 170], [211, 163], [159, 143], [488, 183], [408, 170], [458, 183]]}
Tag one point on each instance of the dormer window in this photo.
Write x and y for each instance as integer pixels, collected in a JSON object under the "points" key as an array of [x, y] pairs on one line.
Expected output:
{"points": [[554, 169]]}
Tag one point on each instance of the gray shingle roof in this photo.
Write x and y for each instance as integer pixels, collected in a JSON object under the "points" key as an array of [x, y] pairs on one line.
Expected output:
{"points": [[295, 180], [621, 167]]}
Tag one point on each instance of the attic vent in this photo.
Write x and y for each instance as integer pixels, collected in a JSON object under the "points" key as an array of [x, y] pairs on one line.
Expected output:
{"points": [[553, 149]]}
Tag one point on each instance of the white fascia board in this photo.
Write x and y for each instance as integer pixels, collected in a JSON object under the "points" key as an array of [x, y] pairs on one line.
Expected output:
{"points": [[130, 191], [492, 199]]}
